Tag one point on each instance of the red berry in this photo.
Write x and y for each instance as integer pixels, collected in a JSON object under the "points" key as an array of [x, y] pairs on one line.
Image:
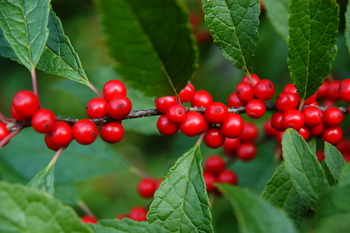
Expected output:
{"points": [[246, 151], [245, 91], [293, 119], [268, 129], [50, 144], [176, 113], [322, 91], [214, 164], [167, 127], [255, 108], [311, 99], [201, 98], [209, 180], [333, 90], [233, 126], [193, 124], [138, 214], [164, 103], [97, 108], [112, 132], [25, 103], [61, 135], [304, 132], [255, 79], [43, 120], [113, 88], [146, 187], [4, 132], [264, 90], [344, 90], [332, 135], [316, 130], [290, 88], [88, 219], [15, 115], [119, 107], [213, 138], [231, 145], [320, 155], [233, 101], [276, 121], [286, 101], [216, 113], [227, 176], [187, 93], [313, 116], [250, 132], [85, 131], [332, 116]]}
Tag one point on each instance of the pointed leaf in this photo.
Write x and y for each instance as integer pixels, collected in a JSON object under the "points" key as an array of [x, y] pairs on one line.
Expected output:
{"points": [[181, 202], [347, 26], [281, 192], [234, 26], [334, 160], [23, 209], [151, 42], [44, 180], [277, 12], [329, 176], [254, 214], [313, 31], [24, 24], [125, 225], [306, 172]]}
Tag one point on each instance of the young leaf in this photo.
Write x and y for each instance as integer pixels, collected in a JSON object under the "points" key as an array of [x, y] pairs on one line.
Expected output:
{"points": [[125, 225], [254, 214], [151, 42], [347, 26], [281, 192], [334, 160], [234, 26], [277, 12], [334, 211], [306, 172], [313, 31], [181, 202], [24, 24], [24, 209], [44, 180]]}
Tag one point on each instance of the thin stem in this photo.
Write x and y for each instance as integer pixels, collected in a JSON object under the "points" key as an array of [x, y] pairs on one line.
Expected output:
{"points": [[4, 141], [55, 157], [85, 208], [34, 82], [94, 89], [140, 173], [5, 119]]}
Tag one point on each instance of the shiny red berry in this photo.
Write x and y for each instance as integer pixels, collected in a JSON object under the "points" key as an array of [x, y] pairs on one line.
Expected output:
{"points": [[209, 180], [293, 119], [310, 100], [112, 132], [167, 127], [316, 130], [245, 91], [194, 124], [113, 88], [233, 126], [89, 219], [214, 164], [25, 103], [313, 116], [333, 116], [216, 113], [255, 78], [50, 144], [138, 214], [187, 93], [231, 145], [201, 98], [264, 90], [246, 151], [164, 103], [85, 131], [61, 135], [97, 108], [304, 132], [4, 132], [176, 113], [233, 101], [276, 121], [255, 108], [286, 101], [146, 187], [43, 120], [15, 115], [332, 135], [344, 90], [250, 132], [333, 90], [227, 176], [213, 138], [322, 91], [119, 107], [268, 129], [290, 88]]}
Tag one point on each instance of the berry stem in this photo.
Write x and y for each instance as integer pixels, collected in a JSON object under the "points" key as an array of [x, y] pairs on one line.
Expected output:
{"points": [[140, 173], [9, 137], [34, 82], [5, 119], [55, 158], [85, 208], [95, 89]]}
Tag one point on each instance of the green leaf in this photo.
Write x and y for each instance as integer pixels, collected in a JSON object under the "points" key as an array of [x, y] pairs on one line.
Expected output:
{"points": [[234, 26], [345, 175], [44, 180], [347, 26], [58, 56], [67, 193], [281, 192], [277, 12], [327, 172], [152, 43], [181, 202], [313, 31], [125, 225], [24, 209], [24, 24], [301, 163], [312, 145], [334, 160], [254, 214], [76, 163], [334, 211]]}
